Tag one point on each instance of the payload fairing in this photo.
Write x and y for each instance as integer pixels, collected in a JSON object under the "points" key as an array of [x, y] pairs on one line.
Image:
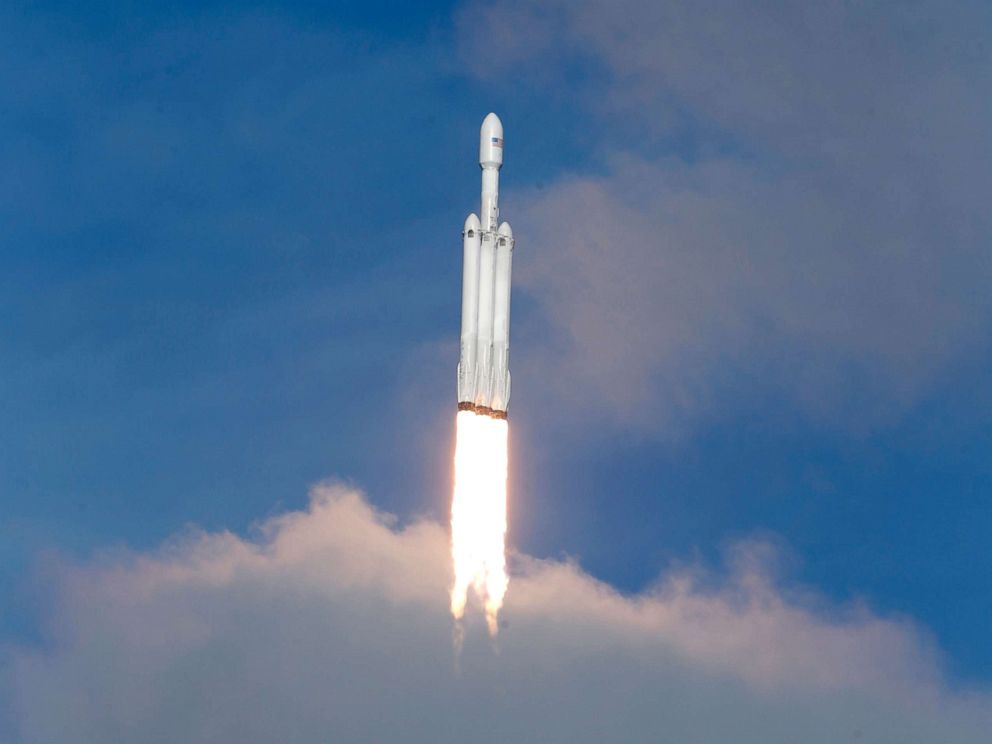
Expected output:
{"points": [[483, 367]]}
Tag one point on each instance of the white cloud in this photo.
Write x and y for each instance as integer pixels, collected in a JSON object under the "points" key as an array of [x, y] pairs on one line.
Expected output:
{"points": [[826, 242], [332, 625]]}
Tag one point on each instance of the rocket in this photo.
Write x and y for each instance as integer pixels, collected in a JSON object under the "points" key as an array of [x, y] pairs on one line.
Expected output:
{"points": [[483, 366]]}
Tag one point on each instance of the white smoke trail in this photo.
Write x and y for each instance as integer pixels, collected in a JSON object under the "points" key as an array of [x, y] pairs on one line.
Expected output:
{"points": [[478, 515]]}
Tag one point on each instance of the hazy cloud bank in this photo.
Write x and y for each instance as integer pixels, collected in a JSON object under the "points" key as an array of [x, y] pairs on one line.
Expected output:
{"points": [[792, 204], [332, 625]]}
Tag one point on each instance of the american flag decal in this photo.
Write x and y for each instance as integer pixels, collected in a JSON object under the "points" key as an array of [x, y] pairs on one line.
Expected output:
{"points": [[498, 141]]}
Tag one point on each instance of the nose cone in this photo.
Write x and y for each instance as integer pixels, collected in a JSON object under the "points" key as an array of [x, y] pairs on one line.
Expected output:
{"points": [[491, 142], [505, 231], [472, 224], [492, 126]]}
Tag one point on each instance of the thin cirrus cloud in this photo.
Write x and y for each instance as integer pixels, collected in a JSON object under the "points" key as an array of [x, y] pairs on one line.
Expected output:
{"points": [[332, 624], [790, 203]]}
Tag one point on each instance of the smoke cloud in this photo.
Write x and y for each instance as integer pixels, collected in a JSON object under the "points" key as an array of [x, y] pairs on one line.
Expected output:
{"points": [[332, 624]]}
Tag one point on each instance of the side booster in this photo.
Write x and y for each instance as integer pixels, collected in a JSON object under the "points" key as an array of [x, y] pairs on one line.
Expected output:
{"points": [[483, 367]]}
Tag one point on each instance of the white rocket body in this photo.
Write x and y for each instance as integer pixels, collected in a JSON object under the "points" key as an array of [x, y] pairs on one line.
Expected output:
{"points": [[471, 240], [500, 397], [483, 369]]}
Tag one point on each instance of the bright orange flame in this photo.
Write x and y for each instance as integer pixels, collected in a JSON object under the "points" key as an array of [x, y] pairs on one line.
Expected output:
{"points": [[478, 514]]}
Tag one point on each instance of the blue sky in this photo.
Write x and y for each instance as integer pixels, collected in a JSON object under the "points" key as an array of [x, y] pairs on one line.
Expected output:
{"points": [[753, 296]]}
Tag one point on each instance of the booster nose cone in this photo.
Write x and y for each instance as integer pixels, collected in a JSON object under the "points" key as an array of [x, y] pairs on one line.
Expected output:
{"points": [[505, 231], [472, 224], [491, 142]]}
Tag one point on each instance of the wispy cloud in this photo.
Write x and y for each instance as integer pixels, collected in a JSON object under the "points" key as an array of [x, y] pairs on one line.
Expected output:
{"points": [[791, 202]]}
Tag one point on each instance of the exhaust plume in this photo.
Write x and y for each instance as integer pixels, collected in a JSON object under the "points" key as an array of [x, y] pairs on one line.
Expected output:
{"points": [[478, 515]]}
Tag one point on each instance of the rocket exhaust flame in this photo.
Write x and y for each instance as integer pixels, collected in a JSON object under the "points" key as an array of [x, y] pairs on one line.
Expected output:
{"points": [[478, 514]]}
